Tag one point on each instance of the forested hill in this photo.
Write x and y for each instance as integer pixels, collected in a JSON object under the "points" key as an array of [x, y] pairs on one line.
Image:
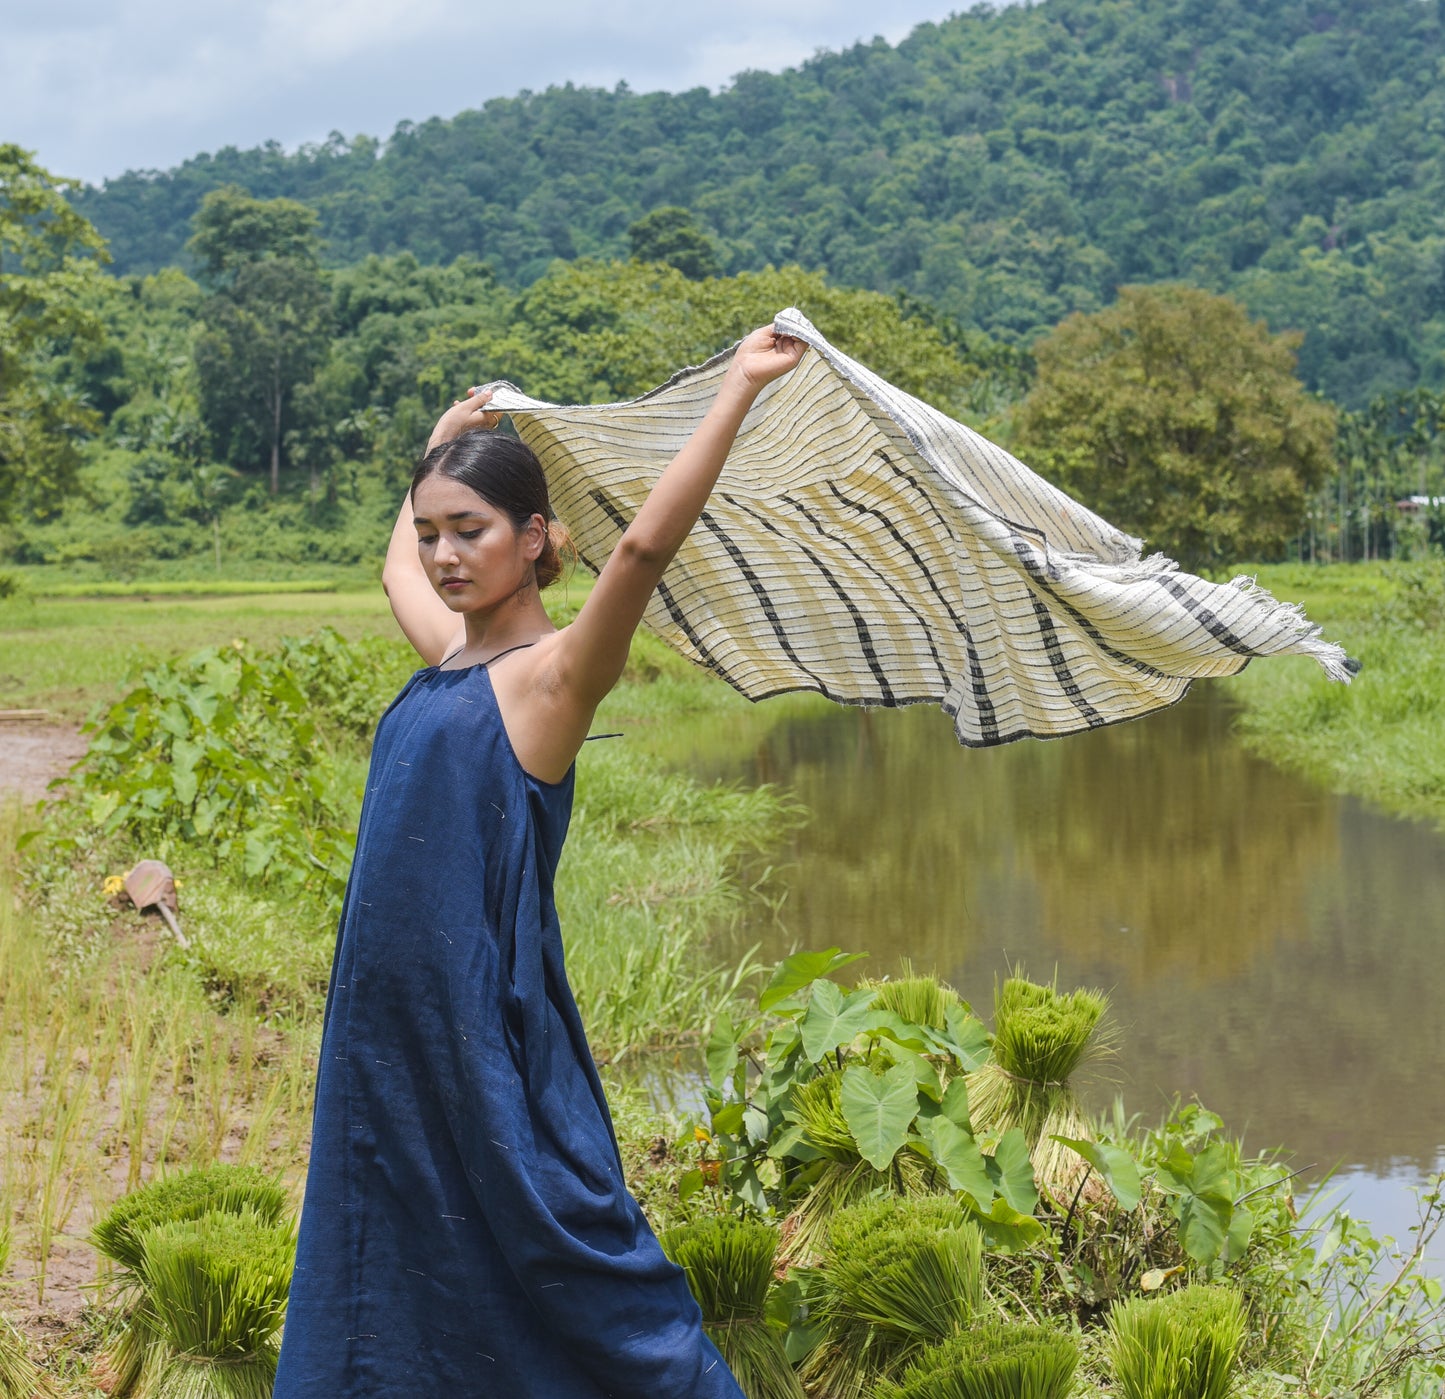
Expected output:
{"points": [[1009, 166]]}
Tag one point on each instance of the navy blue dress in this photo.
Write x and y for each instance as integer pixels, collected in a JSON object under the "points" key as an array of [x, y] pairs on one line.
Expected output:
{"points": [[466, 1228]]}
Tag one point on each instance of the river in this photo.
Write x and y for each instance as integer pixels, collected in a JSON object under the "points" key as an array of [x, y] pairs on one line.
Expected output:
{"points": [[1268, 948]]}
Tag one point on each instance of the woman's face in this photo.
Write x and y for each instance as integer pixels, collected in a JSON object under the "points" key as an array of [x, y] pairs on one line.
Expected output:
{"points": [[472, 553]]}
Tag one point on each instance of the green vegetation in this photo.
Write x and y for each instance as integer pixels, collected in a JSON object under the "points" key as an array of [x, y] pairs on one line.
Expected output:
{"points": [[1181, 1346], [1178, 418], [1381, 736], [1009, 165], [49, 275], [1040, 1038], [896, 1277], [997, 1361], [729, 1267]]}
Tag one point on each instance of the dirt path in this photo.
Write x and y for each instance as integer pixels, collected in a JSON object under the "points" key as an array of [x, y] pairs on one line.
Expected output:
{"points": [[31, 754]]}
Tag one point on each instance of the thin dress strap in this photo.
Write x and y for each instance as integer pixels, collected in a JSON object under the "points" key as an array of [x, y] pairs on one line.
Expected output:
{"points": [[521, 646]]}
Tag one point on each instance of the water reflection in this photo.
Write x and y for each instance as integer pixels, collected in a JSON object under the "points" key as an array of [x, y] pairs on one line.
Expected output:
{"points": [[1270, 948]]}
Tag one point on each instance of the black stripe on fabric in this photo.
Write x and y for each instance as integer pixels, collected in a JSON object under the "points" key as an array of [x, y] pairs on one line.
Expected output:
{"points": [[669, 602], [1040, 576], [865, 637], [978, 682], [864, 562], [1053, 648], [1205, 616], [764, 601]]}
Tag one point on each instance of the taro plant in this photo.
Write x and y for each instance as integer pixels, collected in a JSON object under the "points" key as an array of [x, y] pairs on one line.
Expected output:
{"points": [[139, 1351], [999, 1360], [1041, 1036], [830, 1096], [729, 1266], [896, 1275], [1184, 1345], [222, 752]]}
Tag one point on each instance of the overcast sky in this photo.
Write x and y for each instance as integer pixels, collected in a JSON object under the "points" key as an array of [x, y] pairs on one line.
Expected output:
{"points": [[99, 88]]}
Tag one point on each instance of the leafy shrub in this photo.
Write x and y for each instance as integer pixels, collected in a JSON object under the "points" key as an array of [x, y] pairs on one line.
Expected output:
{"points": [[729, 1267], [998, 1361], [1181, 1346], [851, 1100], [221, 753]]}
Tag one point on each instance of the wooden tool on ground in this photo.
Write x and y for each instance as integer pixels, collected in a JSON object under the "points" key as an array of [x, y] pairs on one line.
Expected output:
{"points": [[151, 884]]}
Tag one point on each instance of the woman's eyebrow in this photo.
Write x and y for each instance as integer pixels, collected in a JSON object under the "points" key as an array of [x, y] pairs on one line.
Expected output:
{"points": [[458, 515]]}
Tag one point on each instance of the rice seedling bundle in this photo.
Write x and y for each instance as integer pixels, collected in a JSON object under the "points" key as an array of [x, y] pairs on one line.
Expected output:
{"points": [[729, 1267], [847, 1179], [138, 1352], [897, 1275], [215, 1290], [921, 1000], [1040, 1038], [187, 1195], [997, 1361], [1181, 1346], [20, 1377]]}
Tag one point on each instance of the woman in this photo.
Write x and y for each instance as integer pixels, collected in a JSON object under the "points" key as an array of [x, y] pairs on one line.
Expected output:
{"points": [[466, 1229]]}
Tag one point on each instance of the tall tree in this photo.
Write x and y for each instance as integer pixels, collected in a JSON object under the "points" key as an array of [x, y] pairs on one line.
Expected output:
{"points": [[267, 320], [671, 235], [1178, 418], [49, 271]]}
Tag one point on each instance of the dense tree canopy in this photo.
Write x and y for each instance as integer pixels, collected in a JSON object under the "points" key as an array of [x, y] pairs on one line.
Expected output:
{"points": [[49, 328], [1009, 165], [267, 323], [1178, 418]]}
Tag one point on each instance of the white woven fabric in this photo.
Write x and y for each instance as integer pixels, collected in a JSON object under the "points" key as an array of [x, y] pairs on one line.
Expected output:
{"points": [[865, 546]]}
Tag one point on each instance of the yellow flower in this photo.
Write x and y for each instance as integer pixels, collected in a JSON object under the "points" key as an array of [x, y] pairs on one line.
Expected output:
{"points": [[701, 1133], [114, 883]]}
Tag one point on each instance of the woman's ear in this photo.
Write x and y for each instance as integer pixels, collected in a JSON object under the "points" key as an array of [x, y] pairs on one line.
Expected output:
{"points": [[534, 538]]}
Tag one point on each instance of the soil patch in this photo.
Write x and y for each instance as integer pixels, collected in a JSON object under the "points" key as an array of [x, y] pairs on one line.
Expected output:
{"points": [[33, 754]]}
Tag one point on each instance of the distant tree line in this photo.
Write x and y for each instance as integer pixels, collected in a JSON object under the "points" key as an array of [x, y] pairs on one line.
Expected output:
{"points": [[1007, 166], [271, 407]]}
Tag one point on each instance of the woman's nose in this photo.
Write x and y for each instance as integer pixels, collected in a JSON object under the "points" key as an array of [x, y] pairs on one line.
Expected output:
{"points": [[445, 549]]}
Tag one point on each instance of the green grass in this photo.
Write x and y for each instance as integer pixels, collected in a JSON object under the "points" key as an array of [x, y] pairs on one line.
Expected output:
{"points": [[1383, 736], [70, 655]]}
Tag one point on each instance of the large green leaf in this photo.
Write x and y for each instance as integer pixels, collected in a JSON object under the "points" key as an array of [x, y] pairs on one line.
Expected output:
{"points": [[1006, 1230], [1203, 1225], [879, 1110], [957, 1155], [1114, 1164], [722, 1050], [833, 1018], [800, 970], [966, 1039], [1013, 1173]]}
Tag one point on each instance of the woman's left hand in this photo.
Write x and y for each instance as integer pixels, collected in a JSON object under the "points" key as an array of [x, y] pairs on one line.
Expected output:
{"points": [[764, 356]]}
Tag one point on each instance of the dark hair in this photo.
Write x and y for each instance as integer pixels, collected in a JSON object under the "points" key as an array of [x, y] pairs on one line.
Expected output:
{"points": [[506, 474]]}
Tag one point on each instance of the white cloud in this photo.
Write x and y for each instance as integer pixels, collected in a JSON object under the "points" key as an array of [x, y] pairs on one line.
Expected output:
{"points": [[97, 89]]}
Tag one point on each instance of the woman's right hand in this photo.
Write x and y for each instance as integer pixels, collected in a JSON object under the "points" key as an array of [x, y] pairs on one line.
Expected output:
{"points": [[464, 415]]}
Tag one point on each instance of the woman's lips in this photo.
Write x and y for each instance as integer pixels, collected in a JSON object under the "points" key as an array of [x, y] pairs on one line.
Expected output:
{"points": [[455, 584]]}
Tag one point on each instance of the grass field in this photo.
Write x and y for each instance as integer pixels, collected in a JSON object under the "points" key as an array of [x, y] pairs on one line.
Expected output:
{"points": [[1383, 736]]}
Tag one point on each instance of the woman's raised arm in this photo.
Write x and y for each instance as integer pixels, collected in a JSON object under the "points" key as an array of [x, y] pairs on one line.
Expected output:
{"points": [[428, 623], [590, 654]]}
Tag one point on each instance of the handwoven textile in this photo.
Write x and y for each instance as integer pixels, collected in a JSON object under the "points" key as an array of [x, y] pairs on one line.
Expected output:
{"points": [[864, 545]]}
